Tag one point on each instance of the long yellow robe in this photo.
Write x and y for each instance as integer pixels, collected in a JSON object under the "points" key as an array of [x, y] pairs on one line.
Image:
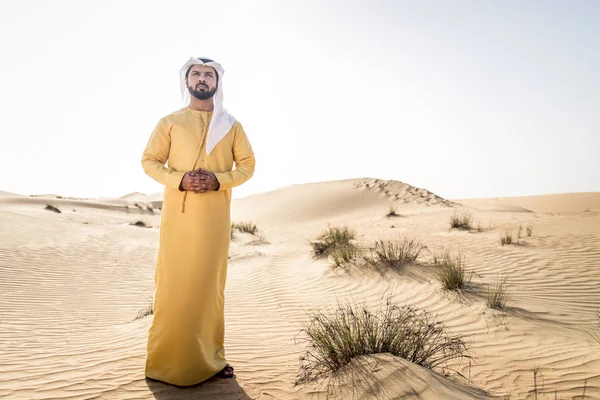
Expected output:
{"points": [[186, 337]]}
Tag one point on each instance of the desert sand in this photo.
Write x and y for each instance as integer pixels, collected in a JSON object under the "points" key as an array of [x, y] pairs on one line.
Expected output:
{"points": [[75, 285]]}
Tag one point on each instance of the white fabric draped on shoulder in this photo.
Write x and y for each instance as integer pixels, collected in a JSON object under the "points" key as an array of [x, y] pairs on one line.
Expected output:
{"points": [[221, 122]]}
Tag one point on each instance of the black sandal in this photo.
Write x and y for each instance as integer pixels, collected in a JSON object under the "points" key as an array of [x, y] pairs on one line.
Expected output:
{"points": [[226, 372]]}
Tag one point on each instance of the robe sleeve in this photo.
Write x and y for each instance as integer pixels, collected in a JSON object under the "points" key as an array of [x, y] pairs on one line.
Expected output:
{"points": [[156, 155], [243, 156]]}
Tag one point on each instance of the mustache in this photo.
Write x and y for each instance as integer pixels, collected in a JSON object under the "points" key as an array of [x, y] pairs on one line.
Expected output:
{"points": [[202, 84]]}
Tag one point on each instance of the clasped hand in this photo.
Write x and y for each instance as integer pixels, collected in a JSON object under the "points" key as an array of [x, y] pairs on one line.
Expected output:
{"points": [[199, 181]]}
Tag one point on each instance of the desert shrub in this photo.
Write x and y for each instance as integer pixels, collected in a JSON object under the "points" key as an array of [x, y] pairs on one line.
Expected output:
{"points": [[461, 221], [450, 269], [506, 239], [337, 336], [332, 238], [52, 208], [393, 254], [145, 312], [247, 227], [392, 212], [498, 295], [343, 256], [141, 224]]}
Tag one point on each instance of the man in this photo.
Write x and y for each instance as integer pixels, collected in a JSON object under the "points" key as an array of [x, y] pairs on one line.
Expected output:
{"points": [[201, 142]]}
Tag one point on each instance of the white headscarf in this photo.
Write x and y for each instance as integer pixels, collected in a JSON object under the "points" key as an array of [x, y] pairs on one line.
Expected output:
{"points": [[221, 121]]}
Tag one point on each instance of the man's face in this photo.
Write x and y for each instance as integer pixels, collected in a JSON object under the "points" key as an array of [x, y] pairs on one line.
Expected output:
{"points": [[202, 82]]}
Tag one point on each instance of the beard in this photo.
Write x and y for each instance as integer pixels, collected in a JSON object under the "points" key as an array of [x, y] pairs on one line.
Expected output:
{"points": [[200, 94]]}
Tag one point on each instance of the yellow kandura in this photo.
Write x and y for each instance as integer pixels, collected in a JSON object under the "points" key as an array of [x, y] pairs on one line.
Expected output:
{"points": [[186, 337]]}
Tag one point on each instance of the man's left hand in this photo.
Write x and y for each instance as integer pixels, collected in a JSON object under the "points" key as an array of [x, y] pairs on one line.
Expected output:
{"points": [[208, 181]]}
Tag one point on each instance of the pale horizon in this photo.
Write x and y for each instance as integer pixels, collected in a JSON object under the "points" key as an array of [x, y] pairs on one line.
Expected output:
{"points": [[466, 100]]}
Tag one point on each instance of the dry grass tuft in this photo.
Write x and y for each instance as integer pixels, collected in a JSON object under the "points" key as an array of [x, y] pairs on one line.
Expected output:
{"points": [[450, 269], [336, 337], [506, 239], [392, 212], [52, 208], [333, 238], [498, 295], [247, 227], [529, 231], [394, 254], [144, 313], [343, 256], [461, 221], [140, 224]]}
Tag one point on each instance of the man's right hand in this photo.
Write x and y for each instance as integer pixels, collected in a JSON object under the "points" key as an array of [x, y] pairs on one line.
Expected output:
{"points": [[190, 182]]}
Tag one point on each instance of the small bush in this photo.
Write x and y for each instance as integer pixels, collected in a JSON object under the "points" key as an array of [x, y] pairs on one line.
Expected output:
{"points": [[350, 331], [52, 208], [333, 237], [506, 239], [450, 270], [247, 227], [498, 295], [342, 256], [394, 254], [144, 313], [392, 212], [141, 224], [462, 221]]}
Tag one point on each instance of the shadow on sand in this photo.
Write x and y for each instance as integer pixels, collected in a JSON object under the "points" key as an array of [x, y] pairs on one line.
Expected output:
{"points": [[212, 389]]}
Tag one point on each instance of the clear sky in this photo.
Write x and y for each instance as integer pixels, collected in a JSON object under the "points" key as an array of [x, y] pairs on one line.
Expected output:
{"points": [[463, 98]]}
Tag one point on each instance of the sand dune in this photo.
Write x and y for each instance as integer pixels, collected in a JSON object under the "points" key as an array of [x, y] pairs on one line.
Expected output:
{"points": [[551, 203], [73, 284]]}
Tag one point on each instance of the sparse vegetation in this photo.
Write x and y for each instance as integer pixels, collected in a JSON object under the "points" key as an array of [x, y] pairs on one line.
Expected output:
{"points": [[506, 239], [392, 212], [498, 295], [52, 208], [140, 224], [450, 269], [342, 256], [247, 227], [394, 254], [145, 312], [332, 238], [461, 221], [533, 394], [336, 337]]}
